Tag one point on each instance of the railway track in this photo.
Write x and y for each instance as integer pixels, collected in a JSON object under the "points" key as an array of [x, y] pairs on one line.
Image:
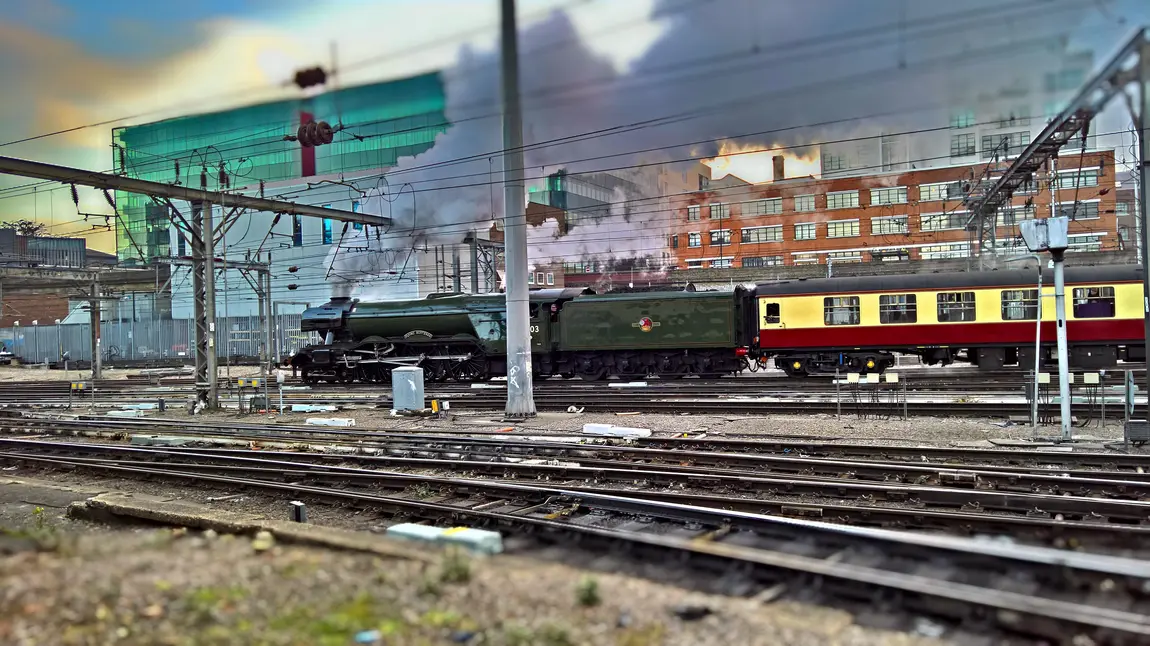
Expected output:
{"points": [[971, 585]]}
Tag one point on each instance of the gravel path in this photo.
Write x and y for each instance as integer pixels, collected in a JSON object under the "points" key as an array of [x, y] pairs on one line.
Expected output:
{"points": [[164, 587]]}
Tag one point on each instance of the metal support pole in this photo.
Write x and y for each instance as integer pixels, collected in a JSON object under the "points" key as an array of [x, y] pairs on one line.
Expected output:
{"points": [[1037, 353], [1143, 121], [204, 279], [94, 308], [520, 395], [1063, 355]]}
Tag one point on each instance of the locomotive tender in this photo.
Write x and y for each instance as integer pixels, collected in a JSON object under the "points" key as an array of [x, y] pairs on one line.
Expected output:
{"points": [[806, 326]]}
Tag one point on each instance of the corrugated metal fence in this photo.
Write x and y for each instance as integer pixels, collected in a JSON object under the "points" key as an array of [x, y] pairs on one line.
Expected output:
{"points": [[237, 336]]}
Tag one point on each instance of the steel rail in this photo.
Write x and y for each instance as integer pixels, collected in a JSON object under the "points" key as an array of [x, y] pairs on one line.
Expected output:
{"points": [[1014, 590]]}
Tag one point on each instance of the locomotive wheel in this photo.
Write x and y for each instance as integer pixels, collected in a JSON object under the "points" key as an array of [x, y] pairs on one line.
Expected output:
{"points": [[594, 372], [473, 369]]}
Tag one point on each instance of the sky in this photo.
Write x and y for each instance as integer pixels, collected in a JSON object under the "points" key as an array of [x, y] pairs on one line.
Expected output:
{"points": [[65, 63]]}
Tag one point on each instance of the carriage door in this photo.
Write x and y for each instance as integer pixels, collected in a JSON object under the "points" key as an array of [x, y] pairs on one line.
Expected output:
{"points": [[770, 314]]}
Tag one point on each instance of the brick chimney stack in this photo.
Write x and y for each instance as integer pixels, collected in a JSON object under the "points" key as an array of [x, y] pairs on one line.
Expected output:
{"points": [[779, 168]]}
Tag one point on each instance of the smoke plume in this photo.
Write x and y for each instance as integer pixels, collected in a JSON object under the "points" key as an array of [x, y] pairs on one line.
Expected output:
{"points": [[721, 69]]}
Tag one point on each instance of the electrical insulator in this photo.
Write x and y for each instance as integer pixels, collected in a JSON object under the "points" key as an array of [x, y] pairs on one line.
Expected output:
{"points": [[315, 133], [293, 269], [309, 77], [293, 287]]}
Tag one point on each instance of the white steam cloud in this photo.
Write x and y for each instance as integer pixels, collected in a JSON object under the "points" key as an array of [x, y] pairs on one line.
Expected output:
{"points": [[720, 70]]}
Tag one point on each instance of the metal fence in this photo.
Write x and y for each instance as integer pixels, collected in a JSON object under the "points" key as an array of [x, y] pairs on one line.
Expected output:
{"points": [[236, 336]]}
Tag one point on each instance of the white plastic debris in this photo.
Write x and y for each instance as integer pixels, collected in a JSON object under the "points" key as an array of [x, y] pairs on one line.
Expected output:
{"points": [[479, 541], [125, 413], [627, 384], [312, 408], [330, 421], [147, 406], [615, 431]]}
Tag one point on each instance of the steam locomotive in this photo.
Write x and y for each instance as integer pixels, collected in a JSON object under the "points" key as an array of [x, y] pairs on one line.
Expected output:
{"points": [[804, 326]]}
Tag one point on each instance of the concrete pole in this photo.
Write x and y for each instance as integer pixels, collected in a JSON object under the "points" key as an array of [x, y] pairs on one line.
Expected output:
{"points": [[269, 318], [1143, 122], [520, 395], [1063, 355], [94, 309], [474, 263], [1037, 351]]}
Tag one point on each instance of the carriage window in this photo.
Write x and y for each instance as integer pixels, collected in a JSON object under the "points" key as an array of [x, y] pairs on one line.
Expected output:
{"points": [[1094, 302], [897, 308], [1019, 304], [773, 314], [955, 306], [841, 310]]}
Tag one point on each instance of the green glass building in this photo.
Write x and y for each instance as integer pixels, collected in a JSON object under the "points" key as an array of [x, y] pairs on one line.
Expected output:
{"points": [[384, 122]]}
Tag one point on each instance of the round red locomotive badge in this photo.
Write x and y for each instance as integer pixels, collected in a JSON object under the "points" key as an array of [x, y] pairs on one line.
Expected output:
{"points": [[645, 324]]}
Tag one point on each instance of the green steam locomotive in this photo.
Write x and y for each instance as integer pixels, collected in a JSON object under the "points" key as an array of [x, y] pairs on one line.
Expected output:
{"points": [[574, 333]]}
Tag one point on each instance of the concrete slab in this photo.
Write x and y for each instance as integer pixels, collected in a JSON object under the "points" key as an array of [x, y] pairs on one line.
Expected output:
{"points": [[19, 497], [127, 506], [974, 444], [159, 440], [1005, 441]]}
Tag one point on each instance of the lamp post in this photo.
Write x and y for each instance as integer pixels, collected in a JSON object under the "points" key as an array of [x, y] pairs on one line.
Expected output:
{"points": [[1050, 234]]}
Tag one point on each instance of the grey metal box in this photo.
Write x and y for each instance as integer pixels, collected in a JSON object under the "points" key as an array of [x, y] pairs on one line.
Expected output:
{"points": [[407, 388]]}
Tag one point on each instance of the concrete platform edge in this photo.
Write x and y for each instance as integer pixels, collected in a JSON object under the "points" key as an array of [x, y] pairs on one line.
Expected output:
{"points": [[111, 507]]}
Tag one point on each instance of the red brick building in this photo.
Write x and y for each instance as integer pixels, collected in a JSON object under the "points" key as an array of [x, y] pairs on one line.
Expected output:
{"points": [[914, 215]]}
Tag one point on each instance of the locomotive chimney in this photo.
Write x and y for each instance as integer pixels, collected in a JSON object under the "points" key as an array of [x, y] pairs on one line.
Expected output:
{"points": [[779, 168]]}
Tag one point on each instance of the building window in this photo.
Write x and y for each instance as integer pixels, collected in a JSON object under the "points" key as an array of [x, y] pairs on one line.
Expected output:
{"points": [[1078, 210], [943, 221], [693, 213], [1120, 209], [894, 195], [806, 231], [1019, 304], [962, 145], [327, 230], [891, 255], [897, 308], [674, 242], [839, 257], [843, 200], [1093, 302], [962, 119], [1085, 242], [834, 162], [181, 244], [694, 264], [721, 237], [944, 251], [1016, 119], [694, 239], [355, 209], [763, 261], [773, 206], [1064, 80], [721, 263], [889, 224], [704, 182], [954, 307], [530, 278], [806, 258], [720, 211], [939, 192], [1009, 216], [550, 278], [841, 310], [804, 203], [1078, 178], [1007, 145], [842, 228], [297, 230], [756, 235]]}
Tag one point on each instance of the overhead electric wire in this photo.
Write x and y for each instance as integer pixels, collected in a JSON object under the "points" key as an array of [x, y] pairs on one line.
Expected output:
{"points": [[948, 29]]}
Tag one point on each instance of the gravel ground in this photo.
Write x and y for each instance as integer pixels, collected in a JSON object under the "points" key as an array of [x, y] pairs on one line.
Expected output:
{"points": [[164, 587], [917, 430]]}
